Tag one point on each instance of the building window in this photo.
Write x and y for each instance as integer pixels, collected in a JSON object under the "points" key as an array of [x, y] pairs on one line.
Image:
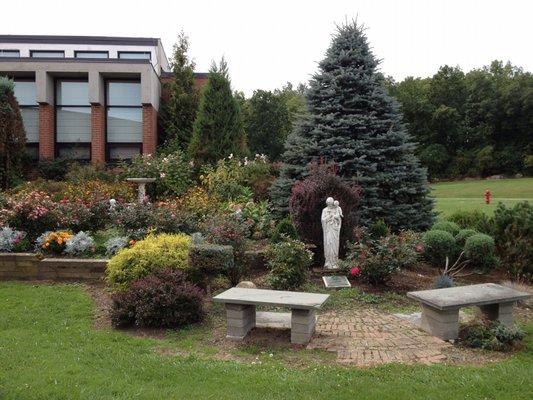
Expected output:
{"points": [[9, 53], [73, 119], [47, 54], [91, 54], [124, 119], [25, 92], [135, 55]]}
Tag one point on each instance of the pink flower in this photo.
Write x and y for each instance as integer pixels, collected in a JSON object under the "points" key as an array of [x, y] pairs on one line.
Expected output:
{"points": [[355, 271], [419, 248]]}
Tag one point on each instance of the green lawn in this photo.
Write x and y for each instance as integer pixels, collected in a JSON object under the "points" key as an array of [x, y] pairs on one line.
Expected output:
{"points": [[48, 350], [470, 195]]}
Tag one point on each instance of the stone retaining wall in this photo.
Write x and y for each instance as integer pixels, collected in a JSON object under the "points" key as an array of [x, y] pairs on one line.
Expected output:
{"points": [[27, 266]]}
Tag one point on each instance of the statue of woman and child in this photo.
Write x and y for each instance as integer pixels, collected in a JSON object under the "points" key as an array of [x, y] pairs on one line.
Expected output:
{"points": [[331, 227]]}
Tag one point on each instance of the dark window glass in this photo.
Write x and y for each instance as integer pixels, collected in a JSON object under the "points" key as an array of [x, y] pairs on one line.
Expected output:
{"points": [[91, 54], [47, 54], [72, 93], [25, 93], [9, 53], [135, 55], [123, 93], [124, 119], [73, 119]]}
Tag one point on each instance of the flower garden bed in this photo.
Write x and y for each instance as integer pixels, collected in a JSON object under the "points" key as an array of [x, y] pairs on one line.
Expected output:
{"points": [[29, 266]]}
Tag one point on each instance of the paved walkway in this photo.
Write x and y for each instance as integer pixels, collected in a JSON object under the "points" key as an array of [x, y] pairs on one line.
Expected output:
{"points": [[370, 337]]}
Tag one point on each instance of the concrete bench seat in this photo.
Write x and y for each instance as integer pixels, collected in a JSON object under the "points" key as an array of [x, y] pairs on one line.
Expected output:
{"points": [[440, 307], [241, 316]]}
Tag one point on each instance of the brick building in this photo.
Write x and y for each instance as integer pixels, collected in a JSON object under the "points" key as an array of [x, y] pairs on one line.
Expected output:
{"points": [[89, 98]]}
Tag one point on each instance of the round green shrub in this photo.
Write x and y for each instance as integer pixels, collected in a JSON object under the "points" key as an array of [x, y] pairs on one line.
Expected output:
{"points": [[378, 229], [479, 250], [289, 263], [153, 253], [464, 234], [284, 228], [438, 245], [447, 226]]}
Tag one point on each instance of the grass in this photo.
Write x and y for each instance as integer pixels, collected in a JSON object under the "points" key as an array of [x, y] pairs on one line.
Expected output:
{"points": [[469, 195], [48, 350]]}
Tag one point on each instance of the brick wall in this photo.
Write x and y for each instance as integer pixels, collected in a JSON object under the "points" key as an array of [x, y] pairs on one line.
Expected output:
{"points": [[46, 131], [97, 134], [149, 129]]}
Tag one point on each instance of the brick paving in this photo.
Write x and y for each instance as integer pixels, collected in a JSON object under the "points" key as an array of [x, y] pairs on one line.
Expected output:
{"points": [[370, 337]]}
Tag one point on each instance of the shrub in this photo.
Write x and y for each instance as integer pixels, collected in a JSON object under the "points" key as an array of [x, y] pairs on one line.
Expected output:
{"points": [[473, 219], [231, 230], [227, 180], [308, 199], [479, 250], [81, 173], [163, 299], [136, 219], [446, 226], [80, 243], [32, 212], [377, 260], [444, 281], [464, 234], [289, 263], [153, 253], [113, 245], [198, 202], [53, 242], [378, 229], [172, 172], [258, 217], [514, 238], [284, 229], [12, 240], [55, 169], [490, 335], [437, 246], [209, 260]]}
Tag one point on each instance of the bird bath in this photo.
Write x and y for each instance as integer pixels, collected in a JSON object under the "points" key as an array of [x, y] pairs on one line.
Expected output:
{"points": [[141, 182]]}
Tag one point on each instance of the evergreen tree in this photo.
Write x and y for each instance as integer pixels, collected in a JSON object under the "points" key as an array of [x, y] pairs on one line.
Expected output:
{"points": [[179, 112], [267, 123], [355, 124], [12, 133], [219, 129]]}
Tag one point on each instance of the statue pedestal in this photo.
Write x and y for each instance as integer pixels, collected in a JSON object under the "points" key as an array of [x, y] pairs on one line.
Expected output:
{"points": [[141, 182]]}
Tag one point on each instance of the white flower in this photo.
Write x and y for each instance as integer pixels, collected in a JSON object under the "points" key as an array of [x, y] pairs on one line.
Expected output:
{"points": [[162, 174], [245, 161], [230, 156], [191, 163]]}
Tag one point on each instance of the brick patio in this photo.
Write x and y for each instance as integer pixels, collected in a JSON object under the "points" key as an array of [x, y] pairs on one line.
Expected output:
{"points": [[370, 337]]}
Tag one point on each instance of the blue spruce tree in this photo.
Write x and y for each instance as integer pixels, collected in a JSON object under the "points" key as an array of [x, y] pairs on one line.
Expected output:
{"points": [[356, 125]]}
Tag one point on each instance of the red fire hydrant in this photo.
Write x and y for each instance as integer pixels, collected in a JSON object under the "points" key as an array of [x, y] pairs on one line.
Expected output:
{"points": [[487, 196]]}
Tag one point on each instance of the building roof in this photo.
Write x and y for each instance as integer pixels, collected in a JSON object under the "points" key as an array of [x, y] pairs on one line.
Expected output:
{"points": [[124, 41]]}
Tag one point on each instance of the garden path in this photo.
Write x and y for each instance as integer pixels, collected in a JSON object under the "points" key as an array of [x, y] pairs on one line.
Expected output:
{"points": [[371, 337]]}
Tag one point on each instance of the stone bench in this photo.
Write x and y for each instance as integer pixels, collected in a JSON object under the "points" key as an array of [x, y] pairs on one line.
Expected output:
{"points": [[240, 310], [440, 307]]}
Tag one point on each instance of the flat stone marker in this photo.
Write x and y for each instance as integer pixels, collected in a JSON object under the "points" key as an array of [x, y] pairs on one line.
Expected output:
{"points": [[440, 307], [336, 282], [241, 314]]}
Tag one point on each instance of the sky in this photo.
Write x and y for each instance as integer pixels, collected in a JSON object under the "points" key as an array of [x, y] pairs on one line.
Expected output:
{"points": [[270, 42]]}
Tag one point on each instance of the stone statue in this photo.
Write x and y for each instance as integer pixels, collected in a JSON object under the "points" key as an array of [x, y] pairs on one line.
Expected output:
{"points": [[331, 226]]}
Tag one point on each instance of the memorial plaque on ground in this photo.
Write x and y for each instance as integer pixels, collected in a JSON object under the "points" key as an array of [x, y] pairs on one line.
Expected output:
{"points": [[335, 282]]}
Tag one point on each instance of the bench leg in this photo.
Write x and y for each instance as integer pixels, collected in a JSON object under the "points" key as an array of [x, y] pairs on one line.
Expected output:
{"points": [[443, 324], [302, 325], [502, 312], [240, 320]]}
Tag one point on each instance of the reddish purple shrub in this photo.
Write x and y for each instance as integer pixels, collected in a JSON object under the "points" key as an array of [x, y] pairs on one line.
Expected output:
{"points": [[164, 299], [308, 198]]}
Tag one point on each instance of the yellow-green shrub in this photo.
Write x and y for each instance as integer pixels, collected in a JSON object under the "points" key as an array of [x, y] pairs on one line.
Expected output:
{"points": [[153, 253]]}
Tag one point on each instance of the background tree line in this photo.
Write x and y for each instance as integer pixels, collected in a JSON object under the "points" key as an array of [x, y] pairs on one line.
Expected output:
{"points": [[477, 123], [474, 124]]}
